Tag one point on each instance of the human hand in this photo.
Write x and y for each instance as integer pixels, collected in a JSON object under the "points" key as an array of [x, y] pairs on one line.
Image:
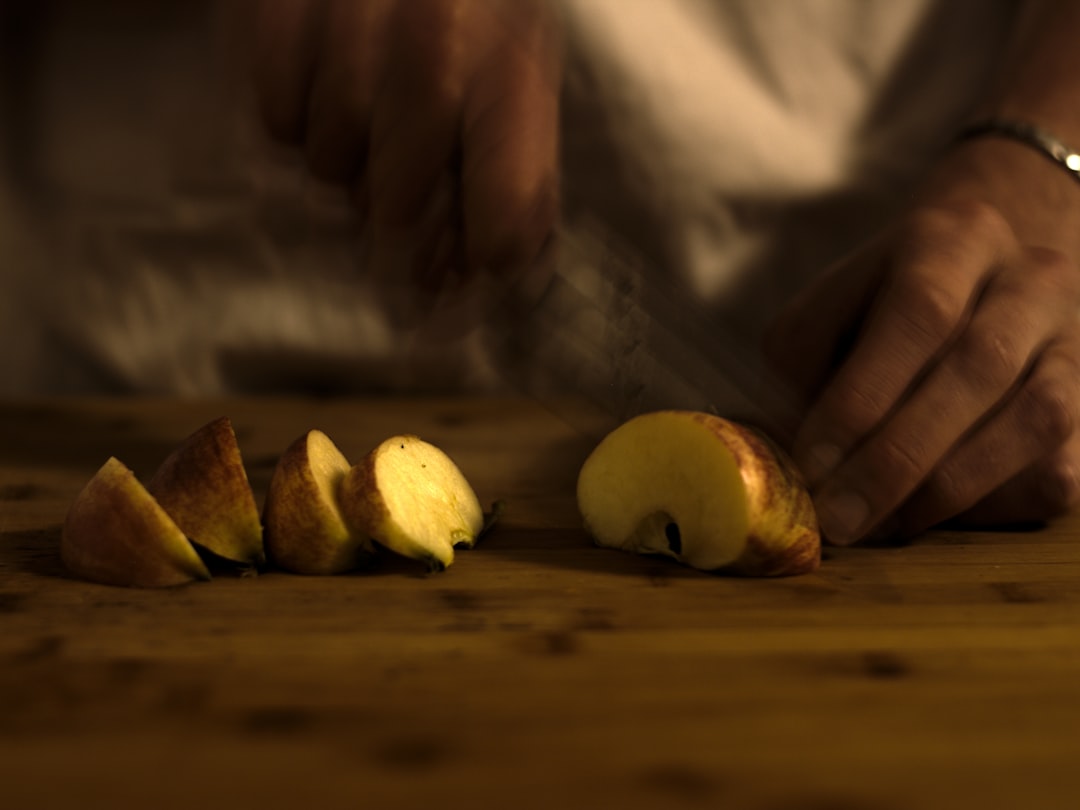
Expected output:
{"points": [[441, 116], [944, 364]]}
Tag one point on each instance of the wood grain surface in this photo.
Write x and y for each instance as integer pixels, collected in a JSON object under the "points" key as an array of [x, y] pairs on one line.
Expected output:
{"points": [[538, 671]]}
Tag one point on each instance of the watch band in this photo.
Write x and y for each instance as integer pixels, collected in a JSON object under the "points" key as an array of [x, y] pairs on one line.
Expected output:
{"points": [[1037, 138]]}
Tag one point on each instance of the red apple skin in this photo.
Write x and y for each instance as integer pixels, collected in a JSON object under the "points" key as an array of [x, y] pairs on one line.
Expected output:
{"points": [[204, 487], [782, 531], [361, 500], [784, 538], [301, 536], [115, 533]]}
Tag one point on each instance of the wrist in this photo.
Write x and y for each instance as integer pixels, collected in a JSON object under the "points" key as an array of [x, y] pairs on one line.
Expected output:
{"points": [[1034, 137], [1039, 198]]}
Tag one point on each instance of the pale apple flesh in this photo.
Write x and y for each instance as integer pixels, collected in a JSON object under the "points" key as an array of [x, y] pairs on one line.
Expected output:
{"points": [[115, 533], [204, 487], [412, 498], [306, 532], [712, 494]]}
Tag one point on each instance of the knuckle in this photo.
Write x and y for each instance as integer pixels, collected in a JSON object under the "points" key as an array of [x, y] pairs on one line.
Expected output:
{"points": [[1048, 411], [1050, 274], [929, 295], [1049, 263], [958, 219], [981, 220], [931, 310], [990, 359]]}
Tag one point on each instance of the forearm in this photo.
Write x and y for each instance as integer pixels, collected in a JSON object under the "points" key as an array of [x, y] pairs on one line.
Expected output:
{"points": [[1039, 76], [1038, 82]]}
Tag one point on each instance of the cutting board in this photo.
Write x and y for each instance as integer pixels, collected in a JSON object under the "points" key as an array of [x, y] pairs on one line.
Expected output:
{"points": [[538, 671]]}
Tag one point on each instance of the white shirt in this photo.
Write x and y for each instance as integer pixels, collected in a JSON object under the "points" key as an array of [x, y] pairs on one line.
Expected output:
{"points": [[153, 240]]}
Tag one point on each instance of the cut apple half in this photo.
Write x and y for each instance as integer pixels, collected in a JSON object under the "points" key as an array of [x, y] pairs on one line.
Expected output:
{"points": [[117, 534], [306, 532], [411, 498], [204, 487], [713, 494]]}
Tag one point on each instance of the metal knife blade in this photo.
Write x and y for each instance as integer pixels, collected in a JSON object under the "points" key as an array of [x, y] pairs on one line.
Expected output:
{"points": [[606, 330]]}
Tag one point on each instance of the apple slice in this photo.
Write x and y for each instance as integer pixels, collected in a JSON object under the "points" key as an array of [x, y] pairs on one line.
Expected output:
{"points": [[204, 487], [117, 534], [713, 494], [411, 497], [305, 530]]}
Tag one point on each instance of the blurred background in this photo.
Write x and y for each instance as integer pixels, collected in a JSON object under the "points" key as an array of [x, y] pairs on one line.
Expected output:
{"points": [[153, 240]]}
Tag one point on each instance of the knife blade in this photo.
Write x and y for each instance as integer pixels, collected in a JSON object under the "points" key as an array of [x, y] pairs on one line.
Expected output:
{"points": [[603, 337]]}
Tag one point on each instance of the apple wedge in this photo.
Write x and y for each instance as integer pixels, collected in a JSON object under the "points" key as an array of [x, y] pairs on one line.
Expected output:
{"points": [[204, 487], [306, 532], [711, 493], [117, 534], [411, 498]]}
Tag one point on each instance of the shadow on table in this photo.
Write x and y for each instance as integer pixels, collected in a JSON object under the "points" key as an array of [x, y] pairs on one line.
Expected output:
{"points": [[572, 549], [541, 524], [33, 551]]}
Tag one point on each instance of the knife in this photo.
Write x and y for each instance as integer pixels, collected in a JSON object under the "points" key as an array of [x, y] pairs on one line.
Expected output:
{"points": [[598, 336]]}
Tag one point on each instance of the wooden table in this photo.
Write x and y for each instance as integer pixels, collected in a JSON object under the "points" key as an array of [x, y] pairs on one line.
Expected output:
{"points": [[538, 671]]}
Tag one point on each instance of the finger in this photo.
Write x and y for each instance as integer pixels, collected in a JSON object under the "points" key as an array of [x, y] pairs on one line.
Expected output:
{"points": [[1046, 490], [1016, 317], [510, 138], [417, 113], [285, 51], [343, 88], [943, 260], [1029, 432], [438, 258]]}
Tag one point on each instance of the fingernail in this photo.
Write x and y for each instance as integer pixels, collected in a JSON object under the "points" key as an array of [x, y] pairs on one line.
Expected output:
{"points": [[842, 514], [820, 461]]}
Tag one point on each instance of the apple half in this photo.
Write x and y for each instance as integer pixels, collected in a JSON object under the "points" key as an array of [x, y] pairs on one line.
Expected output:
{"points": [[306, 532], [711, 493], [115, 533], [204, 487], [411, 498]]}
